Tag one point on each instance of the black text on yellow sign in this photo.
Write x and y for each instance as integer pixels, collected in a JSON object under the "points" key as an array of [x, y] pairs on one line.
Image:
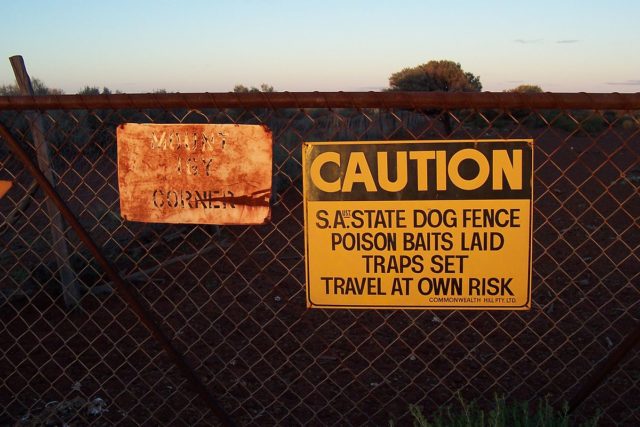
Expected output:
{"points": [[418, 224]]}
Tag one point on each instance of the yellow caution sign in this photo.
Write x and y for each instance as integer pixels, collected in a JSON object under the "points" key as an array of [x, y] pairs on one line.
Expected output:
{"points": [[4, 187], [418, 224]]}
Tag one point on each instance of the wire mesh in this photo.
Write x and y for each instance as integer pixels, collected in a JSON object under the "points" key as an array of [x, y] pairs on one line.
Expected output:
{"points": [[232, 297]]}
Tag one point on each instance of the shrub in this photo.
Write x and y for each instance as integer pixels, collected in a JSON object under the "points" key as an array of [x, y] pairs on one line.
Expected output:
{"points": [[526, 89], [503, 414]]}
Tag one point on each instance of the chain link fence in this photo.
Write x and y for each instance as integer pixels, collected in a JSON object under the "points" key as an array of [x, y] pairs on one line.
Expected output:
{"points": [[231, 299]]}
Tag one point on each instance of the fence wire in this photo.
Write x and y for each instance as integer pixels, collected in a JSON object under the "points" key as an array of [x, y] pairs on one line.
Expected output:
{"points": [[232, 298]]}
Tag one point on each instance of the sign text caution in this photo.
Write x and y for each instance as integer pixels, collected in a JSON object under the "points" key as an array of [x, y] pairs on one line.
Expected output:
{"points": [[418, 224]]}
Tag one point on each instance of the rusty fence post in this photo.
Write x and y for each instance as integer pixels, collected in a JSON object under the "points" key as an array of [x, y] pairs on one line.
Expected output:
{"points": [[70, 289]]}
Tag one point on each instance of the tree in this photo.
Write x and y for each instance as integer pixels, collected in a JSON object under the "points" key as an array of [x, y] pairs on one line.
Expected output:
{"points": [[526, 89], [94, 90], [443, 76], [436, 76], [39, 89], [243, 89]]}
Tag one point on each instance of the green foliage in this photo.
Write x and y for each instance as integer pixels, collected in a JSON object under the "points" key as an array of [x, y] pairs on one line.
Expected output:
{"points": [[526, 89], [94, 90], [583, 121], [593, 125], [243, 89], [9, 90], [629, 122], [443, 75], [503, 414], [436, 76], [39, 89]]}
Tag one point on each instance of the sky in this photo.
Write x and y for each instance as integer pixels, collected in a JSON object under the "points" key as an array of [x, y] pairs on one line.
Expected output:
{"points": [[325, 45]]}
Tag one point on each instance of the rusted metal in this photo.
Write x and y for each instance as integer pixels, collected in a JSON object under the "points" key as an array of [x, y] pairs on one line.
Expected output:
{"points": [[195, 173], [233, 295], [415, 100], [121, 286], [4, 187]]}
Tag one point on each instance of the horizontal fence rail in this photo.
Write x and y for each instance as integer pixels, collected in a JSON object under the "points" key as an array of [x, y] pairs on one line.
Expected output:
{"points": [[507, 100], [227, 336]]}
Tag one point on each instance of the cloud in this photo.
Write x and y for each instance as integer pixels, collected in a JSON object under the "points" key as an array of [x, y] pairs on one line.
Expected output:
{"points": [[536, 41], [528, 41], [625, 83]]}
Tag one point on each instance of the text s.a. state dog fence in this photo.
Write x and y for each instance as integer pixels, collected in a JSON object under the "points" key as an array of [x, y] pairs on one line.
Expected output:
{"points": [[106, 321]]}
